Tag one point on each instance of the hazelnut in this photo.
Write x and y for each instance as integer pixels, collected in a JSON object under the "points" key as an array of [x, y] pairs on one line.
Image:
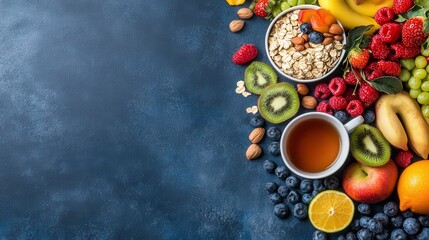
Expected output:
{"points": [[236, 25], [244, 13], [309, 102], [302, 89]]}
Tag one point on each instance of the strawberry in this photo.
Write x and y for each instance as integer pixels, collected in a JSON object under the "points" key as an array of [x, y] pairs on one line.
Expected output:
{"points": [[358, 58], [261, 7], [402, 6], [245, 54], [415, 31]]}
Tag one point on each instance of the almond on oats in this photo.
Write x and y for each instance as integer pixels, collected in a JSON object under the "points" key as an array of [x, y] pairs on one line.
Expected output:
{"points": [[335, 29], [256, 135]]}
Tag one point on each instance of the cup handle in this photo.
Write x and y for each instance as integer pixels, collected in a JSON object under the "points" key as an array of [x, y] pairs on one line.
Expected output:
{"points": [[352, 124]]}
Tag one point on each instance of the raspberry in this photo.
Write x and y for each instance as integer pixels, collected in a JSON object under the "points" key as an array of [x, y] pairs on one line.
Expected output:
{"points": [[375, 74], [367, 94], [245, 54], [384, 15], [322, 91], [349, 94], [337, 86], [390, 32], [400, 51], [403, 158], [402, 6], [352, 77], [324, 107], [372, 66], [355, 108], [389, 67], [378, 47], [338, 103]]}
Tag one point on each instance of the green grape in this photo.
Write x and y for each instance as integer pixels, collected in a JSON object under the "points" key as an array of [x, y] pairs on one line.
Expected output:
{"points": [[310, 2], [423, 98], [427, 68], [414, 93], [420, 73], [408, 63], [424, 51], [414, 83], [292, 3], [276, 11], [425, 86], [420, 62], [284, 6], [301, 2], [425, 111], [405, 75]]}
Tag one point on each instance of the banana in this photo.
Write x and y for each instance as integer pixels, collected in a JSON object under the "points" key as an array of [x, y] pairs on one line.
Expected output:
{"points": [[348, 18], [369, 7], [416, 129]]}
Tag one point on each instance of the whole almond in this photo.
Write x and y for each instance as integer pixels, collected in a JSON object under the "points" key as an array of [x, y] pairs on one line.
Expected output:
{"points": [[327, 40], [253, 151], [302, 89], [305, 37], [297, 40], [236, 25], [328, 35], [256, 135], [299, 47], [309, 102], [306, 45], [244, 13], [338, 37], [335, 29]]}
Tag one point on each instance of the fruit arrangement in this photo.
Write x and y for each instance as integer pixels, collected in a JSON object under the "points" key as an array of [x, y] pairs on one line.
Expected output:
{"points": [[383, 191]]}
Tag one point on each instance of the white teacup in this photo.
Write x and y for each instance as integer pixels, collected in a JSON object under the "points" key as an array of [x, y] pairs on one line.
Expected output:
{"points": [[342, 131]]}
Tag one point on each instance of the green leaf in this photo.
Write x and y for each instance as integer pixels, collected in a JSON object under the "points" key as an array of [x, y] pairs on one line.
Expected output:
{"points": [[423, 3], [355, 36], [416, 10], [387, 84]]}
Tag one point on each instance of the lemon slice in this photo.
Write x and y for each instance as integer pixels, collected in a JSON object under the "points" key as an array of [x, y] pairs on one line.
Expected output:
{"points": [[331, 211]]}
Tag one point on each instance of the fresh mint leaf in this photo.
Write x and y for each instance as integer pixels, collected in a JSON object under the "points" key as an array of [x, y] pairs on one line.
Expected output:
{"points": [[387, 84]]}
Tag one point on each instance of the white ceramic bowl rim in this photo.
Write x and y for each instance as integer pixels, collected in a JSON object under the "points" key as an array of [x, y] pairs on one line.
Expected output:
{"points": [[305, 6]]}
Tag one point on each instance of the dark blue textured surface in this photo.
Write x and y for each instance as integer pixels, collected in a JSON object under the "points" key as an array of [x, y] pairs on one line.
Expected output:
{"points": [[119, 120]]}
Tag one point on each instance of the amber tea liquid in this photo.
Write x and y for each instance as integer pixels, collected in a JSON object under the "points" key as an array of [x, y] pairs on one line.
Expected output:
{"points": [[313, 145]]}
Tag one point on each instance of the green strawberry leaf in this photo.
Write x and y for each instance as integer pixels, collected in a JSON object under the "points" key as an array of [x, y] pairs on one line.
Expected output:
{"points": [[423, 3], [387, 84], [356, 36], [416, 10]]}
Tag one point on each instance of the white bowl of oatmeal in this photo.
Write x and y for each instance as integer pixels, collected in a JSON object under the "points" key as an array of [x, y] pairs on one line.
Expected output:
{"points": [[304, 63]]}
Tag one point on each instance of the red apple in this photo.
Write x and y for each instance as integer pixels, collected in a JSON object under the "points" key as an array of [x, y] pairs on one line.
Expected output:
{"points": [[370, 184]]}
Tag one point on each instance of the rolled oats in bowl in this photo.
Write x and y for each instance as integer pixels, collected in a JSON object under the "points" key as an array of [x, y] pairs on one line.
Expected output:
{"points": [[294, 56]]}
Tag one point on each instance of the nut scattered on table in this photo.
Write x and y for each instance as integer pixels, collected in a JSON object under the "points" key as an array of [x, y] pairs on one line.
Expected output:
{"points": [[236, 25], [256, 135], [244, 13], [309, 102], [253, 152], [302, 89]]}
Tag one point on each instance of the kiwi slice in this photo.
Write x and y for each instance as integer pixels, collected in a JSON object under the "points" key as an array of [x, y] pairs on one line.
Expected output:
{"points": [[278, 102], [258, 76], [369, 146]]}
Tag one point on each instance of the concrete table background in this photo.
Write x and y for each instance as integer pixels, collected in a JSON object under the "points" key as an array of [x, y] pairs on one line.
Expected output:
{"points": [[119, 120]]}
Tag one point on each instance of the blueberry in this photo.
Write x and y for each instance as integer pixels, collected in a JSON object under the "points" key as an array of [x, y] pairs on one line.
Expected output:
{"points": [[354, 225], [271, 187], [364, 234], [269, 166], [397, 221], [341, 237], [275, 198], [351, 236], [407, 214], [331, 182], [300, 210], [314, 193], [391, 209], [424, 220], [369, 116], [364, 209], [292, 197], [306, 198], [274, 148], [318, 185], [305, 28], [306, 186], [282, 172], [315, 37], [376, 226], [318, 235], [342, 116], [383, 235], [292, 182], [363, 221], [283, 191], [274, 133], [424, 234], [281, 210], [411, 226], [398, 234], [257, 121], [383, 218]]}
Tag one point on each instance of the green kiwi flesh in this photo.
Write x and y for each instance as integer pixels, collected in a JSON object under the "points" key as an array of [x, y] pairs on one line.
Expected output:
{"points": [[258, 76], [278, 102], [369, 146]]}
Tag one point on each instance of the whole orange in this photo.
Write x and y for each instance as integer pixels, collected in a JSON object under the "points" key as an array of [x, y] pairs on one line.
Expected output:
{"points": [[413, 188]]}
